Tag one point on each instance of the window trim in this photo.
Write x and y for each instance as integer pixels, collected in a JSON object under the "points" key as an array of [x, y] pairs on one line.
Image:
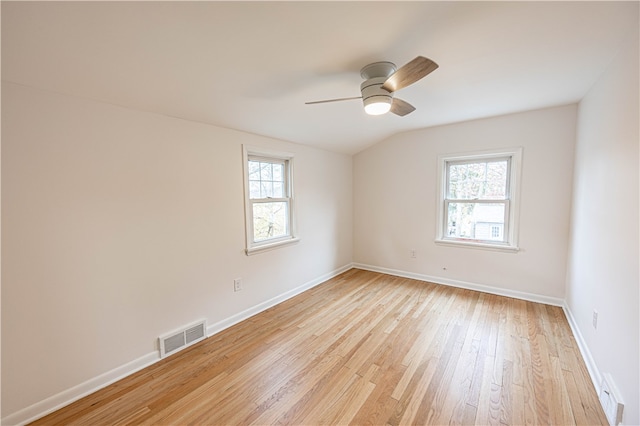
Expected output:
{"points": [[512, 202], [252, 247]]}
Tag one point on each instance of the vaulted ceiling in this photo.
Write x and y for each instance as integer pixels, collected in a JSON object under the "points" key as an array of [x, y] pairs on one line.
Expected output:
{"points": [[252, 65]]}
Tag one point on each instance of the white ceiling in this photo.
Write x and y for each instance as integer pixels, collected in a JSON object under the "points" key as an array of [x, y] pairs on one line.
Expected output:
{"points": [[252, 65]]}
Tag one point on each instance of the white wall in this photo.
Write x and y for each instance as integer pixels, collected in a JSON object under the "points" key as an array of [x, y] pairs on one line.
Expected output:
{"points": [[603, 268], [120, 225], [395, 210]]}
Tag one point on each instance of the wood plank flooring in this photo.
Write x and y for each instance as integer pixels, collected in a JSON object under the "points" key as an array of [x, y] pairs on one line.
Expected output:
{"points": [[365, 348]]}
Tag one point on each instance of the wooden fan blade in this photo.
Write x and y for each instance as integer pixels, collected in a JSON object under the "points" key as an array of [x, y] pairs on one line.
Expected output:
{"points": [[332, 100], [409, 73], [401, 108]]}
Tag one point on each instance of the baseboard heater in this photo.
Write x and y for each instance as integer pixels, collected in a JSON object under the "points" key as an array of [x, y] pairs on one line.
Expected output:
{"points": [[177, 340]]}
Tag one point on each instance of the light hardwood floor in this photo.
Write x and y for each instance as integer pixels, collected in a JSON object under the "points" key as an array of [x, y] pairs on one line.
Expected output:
{"points": [[365, 348]]}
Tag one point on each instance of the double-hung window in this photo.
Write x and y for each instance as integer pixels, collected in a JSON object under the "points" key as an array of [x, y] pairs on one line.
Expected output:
{"points": [[268, 199], [478, 199]]}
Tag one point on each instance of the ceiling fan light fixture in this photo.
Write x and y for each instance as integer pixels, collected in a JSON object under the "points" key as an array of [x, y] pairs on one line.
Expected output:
{"points": [[377, 105], [377, 101]]}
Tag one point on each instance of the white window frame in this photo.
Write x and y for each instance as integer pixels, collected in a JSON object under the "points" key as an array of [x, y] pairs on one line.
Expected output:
{"points": [[511, 202], [251, 246]]}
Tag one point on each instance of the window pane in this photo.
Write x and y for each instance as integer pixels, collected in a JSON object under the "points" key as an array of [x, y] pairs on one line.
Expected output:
{"points": [[265, 171], [254, 170], [254, 189], [476, 221], [478, 180], [266, 190], [278, 172], [465, 180], [278, 190], [496, 186], [270, 220]]}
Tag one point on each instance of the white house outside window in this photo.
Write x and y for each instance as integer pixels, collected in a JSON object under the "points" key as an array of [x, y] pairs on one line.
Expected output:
{"points": [[478, 199], [268, 199]]}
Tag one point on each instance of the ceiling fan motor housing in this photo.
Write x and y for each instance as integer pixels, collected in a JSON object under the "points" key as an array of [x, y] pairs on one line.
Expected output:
{"points": [[378, 69]]}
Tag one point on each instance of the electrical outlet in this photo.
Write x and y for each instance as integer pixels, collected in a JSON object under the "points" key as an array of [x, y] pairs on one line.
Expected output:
{"points": [[412, 254], [594, 319], [237, 284]]}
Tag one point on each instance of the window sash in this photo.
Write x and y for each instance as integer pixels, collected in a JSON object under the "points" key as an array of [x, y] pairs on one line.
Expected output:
{"points": [[285, 175], [497, 159], [505, 220], [285, 236]]}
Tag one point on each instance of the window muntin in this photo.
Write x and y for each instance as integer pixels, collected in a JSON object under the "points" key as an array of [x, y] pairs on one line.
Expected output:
{"points": [[268, 200], [477, 199]]}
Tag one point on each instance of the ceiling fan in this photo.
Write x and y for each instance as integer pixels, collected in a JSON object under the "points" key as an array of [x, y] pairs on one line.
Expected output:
{"points": [[382, 80]]}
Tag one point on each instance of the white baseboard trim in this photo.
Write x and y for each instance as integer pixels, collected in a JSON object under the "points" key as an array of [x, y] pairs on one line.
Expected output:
{"points": [[66, 397], [592, 368], [555, 301], [247, 313]]}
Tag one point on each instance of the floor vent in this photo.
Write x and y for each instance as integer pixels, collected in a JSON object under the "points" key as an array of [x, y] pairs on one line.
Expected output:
{"points": [[180, 339], [610, 400]]}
